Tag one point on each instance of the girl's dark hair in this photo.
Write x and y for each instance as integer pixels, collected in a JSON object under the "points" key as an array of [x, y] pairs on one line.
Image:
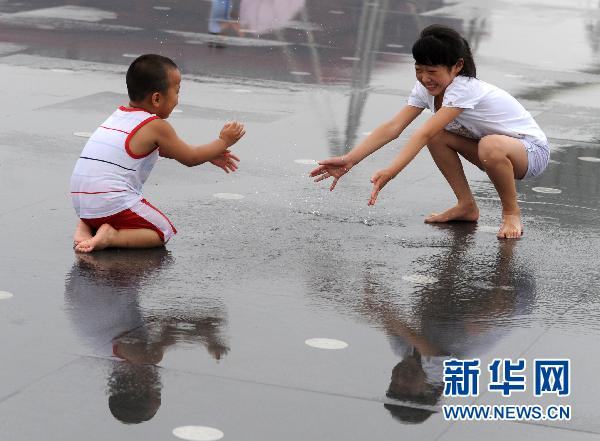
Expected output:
{"points": [[148, 74], [442, 46]]}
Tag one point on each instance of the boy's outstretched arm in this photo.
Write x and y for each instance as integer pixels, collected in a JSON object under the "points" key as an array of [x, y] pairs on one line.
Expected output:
{"points": [[171, 146], [338, 166], [415, 143]]}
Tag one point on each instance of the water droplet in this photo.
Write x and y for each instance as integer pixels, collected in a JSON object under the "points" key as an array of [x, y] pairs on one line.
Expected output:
{"points": [[326, 343]]}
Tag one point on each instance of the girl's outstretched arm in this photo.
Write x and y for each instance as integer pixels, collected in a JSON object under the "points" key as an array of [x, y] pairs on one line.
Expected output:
{"points": [[338, 166], [415, 143]]}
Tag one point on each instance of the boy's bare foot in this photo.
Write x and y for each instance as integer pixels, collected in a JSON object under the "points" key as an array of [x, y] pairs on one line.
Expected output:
{"points": [[82, 232], [100, 241], [464, 213], [511, 227]]}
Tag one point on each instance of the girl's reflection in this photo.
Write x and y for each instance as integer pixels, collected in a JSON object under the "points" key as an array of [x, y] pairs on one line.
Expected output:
{"points": [[463, 315]]}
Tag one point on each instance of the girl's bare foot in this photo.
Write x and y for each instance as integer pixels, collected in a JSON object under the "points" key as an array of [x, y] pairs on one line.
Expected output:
{"points": [[464, 213], [511, 227], [100, 241], [82, 232]]}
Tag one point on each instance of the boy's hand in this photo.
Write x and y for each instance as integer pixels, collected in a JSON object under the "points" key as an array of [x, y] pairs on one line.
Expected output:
{"points": [[336, 167], [379, 180], [232, 132], [227, 161]]}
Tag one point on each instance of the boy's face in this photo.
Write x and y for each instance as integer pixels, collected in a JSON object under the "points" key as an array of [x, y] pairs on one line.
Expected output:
{"points": [[169, 100]]}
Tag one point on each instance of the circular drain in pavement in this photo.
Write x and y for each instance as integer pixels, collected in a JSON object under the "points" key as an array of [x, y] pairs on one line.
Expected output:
{"points": [[487, 229], [419, 279], [306, 161], [546, 190], [82, 134], [326, 343], [589, 158], [4, 295], [197, 433], [230, 196]]}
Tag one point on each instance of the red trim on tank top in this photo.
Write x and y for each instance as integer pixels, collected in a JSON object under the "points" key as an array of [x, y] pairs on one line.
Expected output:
{"points": [[116, 130], [132, 109], [133, 132]]}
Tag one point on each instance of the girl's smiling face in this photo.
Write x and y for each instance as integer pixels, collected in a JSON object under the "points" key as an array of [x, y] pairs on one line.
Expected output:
{"points": [[436, 78]]}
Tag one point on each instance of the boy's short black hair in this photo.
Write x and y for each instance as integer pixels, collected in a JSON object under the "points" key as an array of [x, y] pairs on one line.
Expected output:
{"points": [[148, 74]]}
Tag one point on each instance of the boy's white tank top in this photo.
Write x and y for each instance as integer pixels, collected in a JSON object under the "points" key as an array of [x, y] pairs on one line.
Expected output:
{"points": [[108, 177]]}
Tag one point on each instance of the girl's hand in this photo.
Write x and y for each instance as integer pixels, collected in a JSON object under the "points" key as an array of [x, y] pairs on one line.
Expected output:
{"points": [[336, 167], [227, 161], [379, 180]]}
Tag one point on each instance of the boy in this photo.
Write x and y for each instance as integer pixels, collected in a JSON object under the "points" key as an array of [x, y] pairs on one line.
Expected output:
{"points": [[106, 185]]}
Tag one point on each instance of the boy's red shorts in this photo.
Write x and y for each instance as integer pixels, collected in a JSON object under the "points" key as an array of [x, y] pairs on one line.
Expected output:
{"points": [[141, 215]]}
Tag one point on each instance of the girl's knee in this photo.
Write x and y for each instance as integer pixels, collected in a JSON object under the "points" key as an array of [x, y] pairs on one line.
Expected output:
{"points": [[490, 149], [438, 140]]}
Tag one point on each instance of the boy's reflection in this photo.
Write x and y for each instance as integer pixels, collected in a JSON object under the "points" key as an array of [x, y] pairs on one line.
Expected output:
{"points": [[102, 296], [462, 315]]}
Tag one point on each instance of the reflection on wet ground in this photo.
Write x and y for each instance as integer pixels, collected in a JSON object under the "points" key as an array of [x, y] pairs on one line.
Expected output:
{"points": [[212, 330], [102, 298]]}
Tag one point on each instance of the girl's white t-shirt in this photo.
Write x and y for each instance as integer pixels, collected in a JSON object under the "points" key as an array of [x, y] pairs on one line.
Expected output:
{"points": [[487, 110]]}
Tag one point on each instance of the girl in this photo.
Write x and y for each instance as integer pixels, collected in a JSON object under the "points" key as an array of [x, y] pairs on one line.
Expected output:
{"points": [[480, 122]]}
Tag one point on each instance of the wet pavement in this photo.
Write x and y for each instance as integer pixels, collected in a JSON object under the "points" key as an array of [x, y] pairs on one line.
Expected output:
{"points": [[211, 331]]}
